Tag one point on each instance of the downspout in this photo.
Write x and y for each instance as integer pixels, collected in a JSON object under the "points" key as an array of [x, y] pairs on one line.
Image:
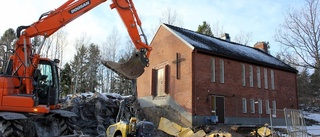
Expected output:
{"points": [[194, 92]]}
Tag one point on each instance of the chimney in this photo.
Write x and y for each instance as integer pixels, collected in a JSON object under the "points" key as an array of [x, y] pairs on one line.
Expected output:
{"points": [[264, 46], [225, 36]]}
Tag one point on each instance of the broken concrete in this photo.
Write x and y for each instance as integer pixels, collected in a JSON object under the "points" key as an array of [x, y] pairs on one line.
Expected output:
{"points": [[96, 112]]}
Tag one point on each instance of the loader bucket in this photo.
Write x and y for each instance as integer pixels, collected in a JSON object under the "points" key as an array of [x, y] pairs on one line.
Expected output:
{"points": [[131, 69]]}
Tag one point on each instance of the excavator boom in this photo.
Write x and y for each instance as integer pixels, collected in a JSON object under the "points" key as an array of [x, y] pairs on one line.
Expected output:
{"points": [[25, 62], [30, 85]]}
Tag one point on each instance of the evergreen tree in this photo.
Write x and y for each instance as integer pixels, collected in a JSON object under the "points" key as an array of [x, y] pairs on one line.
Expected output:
{"points": [[7, 38], [205, 29], [315, 83], [7, 43], [65, 77], [79, 67], [305, 94], [93, 64]]}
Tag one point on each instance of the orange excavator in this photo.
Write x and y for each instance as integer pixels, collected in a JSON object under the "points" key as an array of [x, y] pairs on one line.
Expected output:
{"points": [[29, 86]]}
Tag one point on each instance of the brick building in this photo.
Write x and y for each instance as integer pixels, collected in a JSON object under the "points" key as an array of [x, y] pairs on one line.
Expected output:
{"points": [[201, 76]]}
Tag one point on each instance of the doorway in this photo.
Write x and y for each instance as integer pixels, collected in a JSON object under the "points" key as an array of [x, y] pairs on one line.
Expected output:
{"points": [[218, 107]]}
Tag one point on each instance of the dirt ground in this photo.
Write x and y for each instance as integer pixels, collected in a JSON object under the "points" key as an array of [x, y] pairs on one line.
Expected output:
{"points": [[154, 114]]}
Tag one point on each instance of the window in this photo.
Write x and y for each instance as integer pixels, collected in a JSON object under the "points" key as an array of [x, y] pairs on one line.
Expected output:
{"points": [[244, 105], [258, 78], [221, 71], [159, 80], [272, 79], [252, 104], [213, 70], [45, 69], [251, 76], [274, 107], [265, 78], [267, 107], [243, 75], [260, 106]]}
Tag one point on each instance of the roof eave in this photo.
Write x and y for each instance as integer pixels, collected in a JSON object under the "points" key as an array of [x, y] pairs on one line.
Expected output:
{"points": [[242, 60], [184, 41]]}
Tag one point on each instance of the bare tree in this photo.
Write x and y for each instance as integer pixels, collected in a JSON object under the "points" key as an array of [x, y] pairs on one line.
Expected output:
{"points": [[300, 34], [109, 52], [168, 16], [55, 45], [171, 17], [217, 29], [243, 38]]}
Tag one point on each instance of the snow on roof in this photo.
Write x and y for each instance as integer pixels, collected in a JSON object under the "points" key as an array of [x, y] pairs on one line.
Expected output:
{"points": [[228, 49]]}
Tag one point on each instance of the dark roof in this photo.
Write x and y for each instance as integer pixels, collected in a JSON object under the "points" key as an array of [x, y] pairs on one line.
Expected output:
{"points": [[219, 47]]}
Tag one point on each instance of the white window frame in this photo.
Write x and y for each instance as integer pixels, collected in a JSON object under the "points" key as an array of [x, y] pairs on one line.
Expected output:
{"points": [[252, 106], [243, 66], [265, 71], [267, 107], [272, 79], [259, 106], [258, 77], [251, 75], [221, 71], [244, 105], [213, 70]]}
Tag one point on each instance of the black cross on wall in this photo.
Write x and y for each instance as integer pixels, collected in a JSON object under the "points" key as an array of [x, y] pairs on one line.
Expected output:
{"points": [[177, 62]]}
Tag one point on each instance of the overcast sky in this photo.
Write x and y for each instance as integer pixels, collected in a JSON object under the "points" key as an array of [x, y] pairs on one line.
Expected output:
{"points": [[260, 17]]}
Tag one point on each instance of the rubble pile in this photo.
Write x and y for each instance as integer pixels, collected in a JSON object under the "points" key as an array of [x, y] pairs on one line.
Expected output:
{"points": [[95, 112]]}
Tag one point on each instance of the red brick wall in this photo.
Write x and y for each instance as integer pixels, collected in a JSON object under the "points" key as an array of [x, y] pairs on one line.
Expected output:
{"points": [[165, 46], [192, 94], [233, 91]]}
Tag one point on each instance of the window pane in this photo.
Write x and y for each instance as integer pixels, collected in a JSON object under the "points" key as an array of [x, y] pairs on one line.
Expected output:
{"points": [[260, 106], [274, 107], [45, 69], [244, 105], [213, 70], [265, 78], [251, 76], [267, 107], [258, 78], [221, 71], [272, 79], [252, 104], [243, 75]]}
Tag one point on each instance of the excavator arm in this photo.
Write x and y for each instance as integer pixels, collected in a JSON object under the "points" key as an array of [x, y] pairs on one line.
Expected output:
{"points": [[25, 62]]}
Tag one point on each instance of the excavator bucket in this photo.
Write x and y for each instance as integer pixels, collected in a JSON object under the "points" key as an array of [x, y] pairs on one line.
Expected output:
{"points": [[131, 69]]}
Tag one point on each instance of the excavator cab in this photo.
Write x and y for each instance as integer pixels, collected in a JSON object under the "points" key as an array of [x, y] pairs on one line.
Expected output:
{"points": [[46, 83]]}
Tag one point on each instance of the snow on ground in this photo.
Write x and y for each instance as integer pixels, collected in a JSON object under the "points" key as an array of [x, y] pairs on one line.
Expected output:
{"points": [[314, 129]]}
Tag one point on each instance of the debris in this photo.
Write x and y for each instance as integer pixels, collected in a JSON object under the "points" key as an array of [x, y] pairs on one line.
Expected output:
{"points": [[219, 133], [174, 129], [97, 111], [200, 133]]}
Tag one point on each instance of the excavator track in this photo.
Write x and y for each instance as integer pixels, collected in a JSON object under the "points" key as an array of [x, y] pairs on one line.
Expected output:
{"points": [[11, 128]]}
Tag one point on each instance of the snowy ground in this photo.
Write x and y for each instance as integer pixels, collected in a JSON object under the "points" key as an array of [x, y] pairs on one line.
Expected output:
{"points": [[314, 129]]}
